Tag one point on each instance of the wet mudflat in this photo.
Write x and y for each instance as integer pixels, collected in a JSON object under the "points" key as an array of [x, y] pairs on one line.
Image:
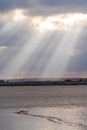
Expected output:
{"points": [[44, 119], [43, 108]]}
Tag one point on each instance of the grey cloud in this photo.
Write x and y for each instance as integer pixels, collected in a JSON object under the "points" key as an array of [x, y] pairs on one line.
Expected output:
{"points": [[78, 63], [62, 2], [6, 5], [67, 5], [44, 7]]}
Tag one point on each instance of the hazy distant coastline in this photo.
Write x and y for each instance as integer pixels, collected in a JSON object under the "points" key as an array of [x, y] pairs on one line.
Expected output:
{"points": [[43, 83]]}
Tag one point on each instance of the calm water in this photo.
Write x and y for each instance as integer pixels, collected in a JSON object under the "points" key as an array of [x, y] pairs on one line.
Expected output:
{"points": [[43, 108], [44, 96]]}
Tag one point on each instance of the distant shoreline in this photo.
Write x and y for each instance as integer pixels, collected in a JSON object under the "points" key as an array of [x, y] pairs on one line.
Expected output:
{"points": [[43, 83]]}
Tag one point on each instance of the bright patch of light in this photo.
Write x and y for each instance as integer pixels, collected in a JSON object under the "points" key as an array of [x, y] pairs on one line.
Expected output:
{"points": [[18, 15], [46, 25], [60, 22], [74, 19], [3, 47], [72, 52]]}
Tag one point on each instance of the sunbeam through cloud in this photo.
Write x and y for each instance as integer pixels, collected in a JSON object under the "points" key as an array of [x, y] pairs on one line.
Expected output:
{"points": [[41, 38]]}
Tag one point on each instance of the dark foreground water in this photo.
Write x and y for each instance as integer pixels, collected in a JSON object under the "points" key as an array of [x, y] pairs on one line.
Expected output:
{"points": [[43, 108]]}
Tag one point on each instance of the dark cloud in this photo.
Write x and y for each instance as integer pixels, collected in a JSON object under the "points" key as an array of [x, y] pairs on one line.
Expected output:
{"points": [[78, 62], [6, 5], [44, 7], [66, 5], [61, 6], [62, 2]]}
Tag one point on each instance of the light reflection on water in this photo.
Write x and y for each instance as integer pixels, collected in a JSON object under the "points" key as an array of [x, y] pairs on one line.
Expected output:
{"points": [[73, 118]]}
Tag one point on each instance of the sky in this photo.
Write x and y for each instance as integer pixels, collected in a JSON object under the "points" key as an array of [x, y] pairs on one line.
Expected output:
{"points": [[43, 39]]}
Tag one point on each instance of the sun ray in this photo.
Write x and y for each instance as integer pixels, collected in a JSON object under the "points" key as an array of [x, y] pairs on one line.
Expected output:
{"points": [[59, 59], [41, 54], [50, 53], [46, 55], [19, 60]]}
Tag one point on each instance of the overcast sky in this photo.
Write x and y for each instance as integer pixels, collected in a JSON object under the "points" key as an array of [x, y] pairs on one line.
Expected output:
{"points": [[43, 38]]}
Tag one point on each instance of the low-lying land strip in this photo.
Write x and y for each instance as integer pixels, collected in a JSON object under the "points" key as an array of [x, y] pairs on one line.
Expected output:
{"points": [[42, 83]]}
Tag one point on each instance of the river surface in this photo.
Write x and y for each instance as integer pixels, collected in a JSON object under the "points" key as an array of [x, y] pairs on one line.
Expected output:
{"points": [[43, 108]]}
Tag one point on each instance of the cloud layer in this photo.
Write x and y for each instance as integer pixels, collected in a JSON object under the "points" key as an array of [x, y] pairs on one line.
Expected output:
{"points": [[43, 38], [40, 7]]}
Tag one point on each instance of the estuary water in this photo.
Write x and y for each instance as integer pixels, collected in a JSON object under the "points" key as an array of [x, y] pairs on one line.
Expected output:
{"points": [[43, 108]]}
